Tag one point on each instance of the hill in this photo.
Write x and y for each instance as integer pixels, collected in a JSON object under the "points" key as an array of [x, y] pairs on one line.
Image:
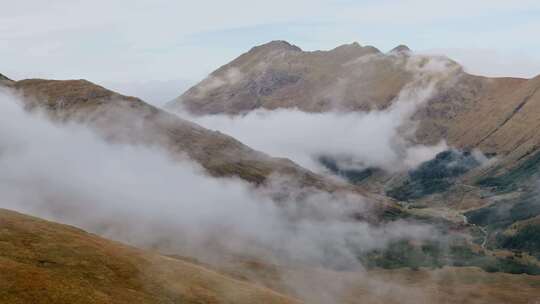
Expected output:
{"points": [[46, 262], [130, 120]]}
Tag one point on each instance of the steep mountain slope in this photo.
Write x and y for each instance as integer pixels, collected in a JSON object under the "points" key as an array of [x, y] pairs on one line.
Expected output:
{"points": [[45, 262], [499, 117], [356, 78], [130, 120], [278, 74]]}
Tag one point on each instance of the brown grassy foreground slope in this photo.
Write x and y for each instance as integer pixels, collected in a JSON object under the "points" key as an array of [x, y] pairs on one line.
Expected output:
{"points": [[447, 285], [45, 262], [405, 286]]}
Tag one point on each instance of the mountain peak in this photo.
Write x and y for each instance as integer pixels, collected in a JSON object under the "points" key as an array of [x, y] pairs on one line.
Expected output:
{"points": [[278, 45], [355, 46], [2, 77], [4, 81], [353, 50], [400, 49]]}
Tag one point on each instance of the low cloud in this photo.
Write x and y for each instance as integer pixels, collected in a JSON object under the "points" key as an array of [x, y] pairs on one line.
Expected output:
{"points": [[139, 195]]}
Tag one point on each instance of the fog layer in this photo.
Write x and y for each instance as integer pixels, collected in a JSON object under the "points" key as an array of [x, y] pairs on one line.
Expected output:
{"points": [[139, 195]]}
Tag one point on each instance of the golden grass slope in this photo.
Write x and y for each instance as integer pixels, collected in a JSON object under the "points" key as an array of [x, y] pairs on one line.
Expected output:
{"points": [[451, 285], [45, 262]]}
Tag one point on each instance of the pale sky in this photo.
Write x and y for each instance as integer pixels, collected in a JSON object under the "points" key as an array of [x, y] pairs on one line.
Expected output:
{"points": [[156, 48]]}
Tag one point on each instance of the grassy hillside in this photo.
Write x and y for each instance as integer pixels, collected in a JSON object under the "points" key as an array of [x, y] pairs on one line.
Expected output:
{"points": [[45, 262]]}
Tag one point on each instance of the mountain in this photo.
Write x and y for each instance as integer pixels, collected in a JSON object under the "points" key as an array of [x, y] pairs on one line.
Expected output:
{"points": [[4, 80], [480, 195], [496, 118], [278, 74], [46, 262], [361, 78], [404, 286], [127, 119]]}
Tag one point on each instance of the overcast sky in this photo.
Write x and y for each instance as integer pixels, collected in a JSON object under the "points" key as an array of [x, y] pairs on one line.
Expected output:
{"points": [[150, 47]]}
